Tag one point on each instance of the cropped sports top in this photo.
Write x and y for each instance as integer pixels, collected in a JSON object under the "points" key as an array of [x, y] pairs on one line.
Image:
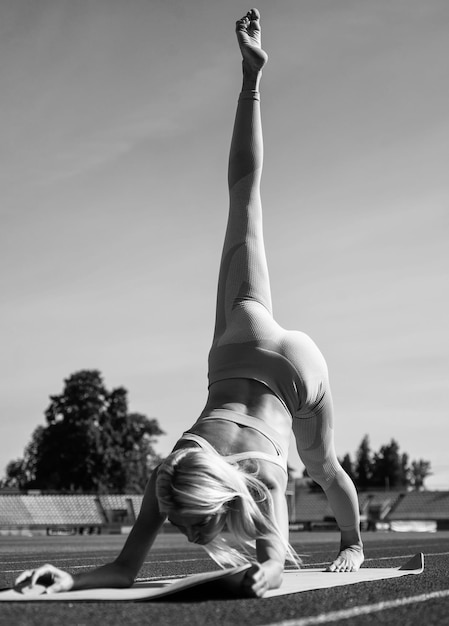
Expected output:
{"points": [[242, 420]]}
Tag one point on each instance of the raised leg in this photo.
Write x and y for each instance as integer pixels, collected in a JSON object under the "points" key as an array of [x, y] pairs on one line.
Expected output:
{"points": [[243, 271]]}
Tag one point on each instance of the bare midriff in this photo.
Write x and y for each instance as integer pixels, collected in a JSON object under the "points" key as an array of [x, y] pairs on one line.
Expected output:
{"points": [[247, 397]]}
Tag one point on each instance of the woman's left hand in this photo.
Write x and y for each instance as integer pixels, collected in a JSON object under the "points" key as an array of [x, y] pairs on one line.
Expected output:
{"points": [[255, 582], [261, 577]]}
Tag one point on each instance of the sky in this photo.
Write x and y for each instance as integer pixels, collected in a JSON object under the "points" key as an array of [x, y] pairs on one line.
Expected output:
{"points": [[116, 118]]}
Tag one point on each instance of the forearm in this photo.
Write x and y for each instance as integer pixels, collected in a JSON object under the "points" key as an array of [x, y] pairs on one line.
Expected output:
{"points": [[271, 550], [267, 572], [118, 574], [111, 575], [270, 562]]}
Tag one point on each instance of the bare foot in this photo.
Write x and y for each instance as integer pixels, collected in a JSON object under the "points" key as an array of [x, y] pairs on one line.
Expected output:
{"points": [[249, 38], [349, 560]]}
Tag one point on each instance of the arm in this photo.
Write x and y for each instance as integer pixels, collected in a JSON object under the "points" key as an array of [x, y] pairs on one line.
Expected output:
{"points": [[270, 551], [123, 570], [143, 533]]}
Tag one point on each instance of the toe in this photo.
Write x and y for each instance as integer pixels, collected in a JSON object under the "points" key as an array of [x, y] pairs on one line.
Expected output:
{"points": [[253, 15], [242, 24]]}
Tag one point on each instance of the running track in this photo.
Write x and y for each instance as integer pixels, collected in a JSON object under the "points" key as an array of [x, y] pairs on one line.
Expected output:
{"points": [[408, 601]]}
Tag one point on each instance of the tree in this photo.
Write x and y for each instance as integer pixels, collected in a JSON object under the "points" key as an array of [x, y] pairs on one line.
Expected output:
{"points": [[363, 464], [20, 473], [404, 471], [91, 442], [15, 475], [389, 467], [419, 472]]}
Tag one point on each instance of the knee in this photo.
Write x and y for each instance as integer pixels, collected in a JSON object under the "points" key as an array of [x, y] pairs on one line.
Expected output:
{"points": [[323, 471]]}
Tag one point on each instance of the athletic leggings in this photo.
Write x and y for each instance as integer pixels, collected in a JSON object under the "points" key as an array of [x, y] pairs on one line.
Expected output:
{"points": [[244, 317]]}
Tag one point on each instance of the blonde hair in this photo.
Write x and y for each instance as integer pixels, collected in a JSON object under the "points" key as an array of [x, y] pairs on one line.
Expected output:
{"points": [[192, 481]]}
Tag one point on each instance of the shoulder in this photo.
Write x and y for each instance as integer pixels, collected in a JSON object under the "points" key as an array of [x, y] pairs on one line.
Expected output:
{"points": [[185, 443], [273, 476]]}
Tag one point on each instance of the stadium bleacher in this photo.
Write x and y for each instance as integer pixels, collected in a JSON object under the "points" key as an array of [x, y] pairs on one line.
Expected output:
{"points": [[62, 509], [34, 512], [422, 506], [13, 512], [121, 502], [388, 510], [307, 509], [120, 509], [310, 510]]}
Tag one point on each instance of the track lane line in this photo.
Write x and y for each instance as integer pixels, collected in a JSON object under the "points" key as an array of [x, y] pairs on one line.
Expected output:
{"points": [[13, 571], [157, 560], [357, 611], [319, 564]]}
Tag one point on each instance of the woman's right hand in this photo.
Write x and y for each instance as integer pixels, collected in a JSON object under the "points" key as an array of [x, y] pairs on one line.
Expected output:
{"points": [[52, 578]]}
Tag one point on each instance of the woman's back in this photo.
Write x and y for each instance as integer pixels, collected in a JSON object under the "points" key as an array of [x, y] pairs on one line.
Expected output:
{"points": [[244, 416]]}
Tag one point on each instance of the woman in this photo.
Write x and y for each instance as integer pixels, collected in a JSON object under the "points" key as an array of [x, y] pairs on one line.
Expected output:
{"points": [[230, 467]]}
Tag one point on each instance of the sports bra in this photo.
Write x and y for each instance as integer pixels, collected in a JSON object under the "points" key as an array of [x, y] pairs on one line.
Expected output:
{"points": [[243, 420]]}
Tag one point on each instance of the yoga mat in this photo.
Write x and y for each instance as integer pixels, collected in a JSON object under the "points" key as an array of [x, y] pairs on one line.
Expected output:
{"points": [[216, 585], [310, 579]]}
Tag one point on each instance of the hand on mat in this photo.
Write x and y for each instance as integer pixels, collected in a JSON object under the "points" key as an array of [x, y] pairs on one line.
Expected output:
{"points": [[255, 582], [261, 577], [52, 578]]}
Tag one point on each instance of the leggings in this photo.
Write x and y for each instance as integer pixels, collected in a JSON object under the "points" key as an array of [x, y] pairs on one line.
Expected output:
{"points": [[244, 317]]}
